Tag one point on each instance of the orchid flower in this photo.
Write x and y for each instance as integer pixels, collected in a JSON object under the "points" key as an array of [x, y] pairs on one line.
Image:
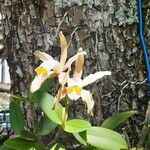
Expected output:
{"points": [[50, 67], [75, 86]]}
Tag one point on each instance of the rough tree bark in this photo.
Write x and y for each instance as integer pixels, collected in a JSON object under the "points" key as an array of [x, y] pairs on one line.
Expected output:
{"points": [[106, 30]]}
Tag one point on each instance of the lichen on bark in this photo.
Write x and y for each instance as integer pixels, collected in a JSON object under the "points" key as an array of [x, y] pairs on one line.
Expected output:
{"points": [[126, 13]]}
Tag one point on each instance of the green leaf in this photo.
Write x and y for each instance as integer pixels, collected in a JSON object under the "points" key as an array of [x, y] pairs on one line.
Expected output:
{"points": [[16, 117], [148, 139], [5, 148], [46, 85], [3, 138], [46, 126], [22, 144], [135, 148], [24, 134], [18, 98], [89, 147], [57, 146], [115, 120], [81, 137], [46, 102], [76, 125], [105, 139]]}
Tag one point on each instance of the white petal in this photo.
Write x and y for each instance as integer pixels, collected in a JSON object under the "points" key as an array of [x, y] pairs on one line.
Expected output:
{"points": [[43, 56], [87, 97], [93, 77], [36, 83], [74, 81], [62, 78], [74, 96], [50, 64], [72, 59]]}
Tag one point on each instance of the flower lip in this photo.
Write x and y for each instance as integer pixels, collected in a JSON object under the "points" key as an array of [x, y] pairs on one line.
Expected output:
{"points": [[41, 70], [76, 89]]}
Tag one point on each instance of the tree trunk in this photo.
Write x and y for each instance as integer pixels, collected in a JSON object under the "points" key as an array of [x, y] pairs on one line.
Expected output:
{"points": [[107, 32]]}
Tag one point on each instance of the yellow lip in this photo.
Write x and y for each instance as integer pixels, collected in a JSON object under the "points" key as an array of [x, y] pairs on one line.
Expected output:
{"points": [[75, 89], [41, 70]]}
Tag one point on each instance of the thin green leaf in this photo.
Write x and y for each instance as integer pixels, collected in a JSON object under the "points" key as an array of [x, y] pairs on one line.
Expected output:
{"points": [[46, 85], [76, 125], [89, 147], [5, 148], [46, 102], [3, 138], [16, 117], [115, 120], [105, 139], [22, 144], [57, 146], [24, 134], [81, 137], [148, 139], [46, 126], [135, 148], [18, 98]]}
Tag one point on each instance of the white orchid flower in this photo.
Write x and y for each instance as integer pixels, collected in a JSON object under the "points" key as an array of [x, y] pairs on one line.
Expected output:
{"points": [[50, 67], [75, 86], [44, 71]]}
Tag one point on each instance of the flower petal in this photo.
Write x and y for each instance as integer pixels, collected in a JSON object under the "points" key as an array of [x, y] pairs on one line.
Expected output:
{"points": [[74, 88], [63, 78], [79, 62], [46, 67], [60, 95], [93, 77], [74, 81], [88, 99], [64, 47], [43, 56], [57, 69], [74, 96], [41, 70], [36, 83], [72, 59]]}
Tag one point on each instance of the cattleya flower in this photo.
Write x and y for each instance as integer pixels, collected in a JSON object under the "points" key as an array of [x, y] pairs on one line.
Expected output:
{"points": [[50, 67], [75, 86]]}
